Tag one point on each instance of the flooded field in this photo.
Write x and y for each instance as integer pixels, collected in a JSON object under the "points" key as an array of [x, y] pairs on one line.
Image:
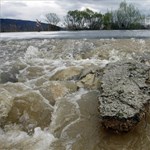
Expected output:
{"points": [[49, 91]]}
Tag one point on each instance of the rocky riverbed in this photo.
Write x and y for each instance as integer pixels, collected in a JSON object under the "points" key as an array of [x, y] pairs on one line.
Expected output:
{"points": [[62, 94]]}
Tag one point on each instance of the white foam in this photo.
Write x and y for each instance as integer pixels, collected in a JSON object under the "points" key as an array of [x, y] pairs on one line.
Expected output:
{"points": [[40, 140], [32, 52]]}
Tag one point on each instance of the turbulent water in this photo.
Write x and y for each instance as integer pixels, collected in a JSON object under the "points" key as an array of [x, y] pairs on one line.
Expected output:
{"points": [[49, 91]]}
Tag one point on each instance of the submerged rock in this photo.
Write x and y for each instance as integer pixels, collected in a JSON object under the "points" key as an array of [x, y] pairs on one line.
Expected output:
{"points": [[90, 77], [69, 73], [90, 81], [81, 126], [30, 110], [5, 104], [7, 93], [15, 88], [65, 112], [52, 90], [29, 73], [8, 77], [125, 93]]}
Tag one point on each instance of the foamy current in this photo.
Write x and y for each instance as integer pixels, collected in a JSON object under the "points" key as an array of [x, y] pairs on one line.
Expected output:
{"points": [[49, 92]]}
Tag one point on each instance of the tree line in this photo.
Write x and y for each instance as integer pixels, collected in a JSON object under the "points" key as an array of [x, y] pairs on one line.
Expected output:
{"points": [[127, 16]]}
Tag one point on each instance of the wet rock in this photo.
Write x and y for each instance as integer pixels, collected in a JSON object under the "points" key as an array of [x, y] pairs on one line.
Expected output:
{"points": [[69, 73], [15, 88], [37, 82], [5, 104], [90, 77], [90, 81], [11, 71], [30, 73], [65, 112], [85, 130], [143, 57], [125, 93], [7, 93], [53, 90], [30, 110], [88, 104], [148, 78], [19, 65], [8, 77], [90, 69]]}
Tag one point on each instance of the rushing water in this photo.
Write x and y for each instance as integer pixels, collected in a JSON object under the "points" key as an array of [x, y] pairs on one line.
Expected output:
{"points": [[49, 100]]}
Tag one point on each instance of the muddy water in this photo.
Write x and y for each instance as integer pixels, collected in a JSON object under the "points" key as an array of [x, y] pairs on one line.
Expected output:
{"points": [[49, 93]]}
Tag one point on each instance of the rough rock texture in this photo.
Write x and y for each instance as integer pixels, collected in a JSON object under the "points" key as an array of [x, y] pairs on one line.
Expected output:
{"points": [[125, 91]]}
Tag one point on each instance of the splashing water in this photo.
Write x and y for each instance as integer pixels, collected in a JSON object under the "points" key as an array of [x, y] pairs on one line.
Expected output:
{"points": [[49, 94]]}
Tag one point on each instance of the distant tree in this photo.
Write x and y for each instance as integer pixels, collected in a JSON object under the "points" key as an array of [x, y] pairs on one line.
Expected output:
{"points": [[39, 25], [52, 18], [107, 20], [93, 19], [86, 19], [74, 20], [127, 16]]}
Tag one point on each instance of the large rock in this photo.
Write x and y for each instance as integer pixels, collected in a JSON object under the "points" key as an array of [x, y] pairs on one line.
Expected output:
{"points": [[125, 92], [10, 73], [15, 88], [29, 73], [30, 110], [90, 81], [8, 77], [90, 77], [7, 93], [80, 126], [69, 73], [65, 112], [52, 90]]}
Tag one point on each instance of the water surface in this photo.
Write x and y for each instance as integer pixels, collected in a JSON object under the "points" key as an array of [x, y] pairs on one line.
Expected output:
{"points": [[48, 98], [78, 34]]}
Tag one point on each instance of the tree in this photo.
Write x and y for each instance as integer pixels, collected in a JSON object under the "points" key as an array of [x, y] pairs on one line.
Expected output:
{"points": [[93, 19], [127, 16], [86, 19], [107, 20], [52, 18]]}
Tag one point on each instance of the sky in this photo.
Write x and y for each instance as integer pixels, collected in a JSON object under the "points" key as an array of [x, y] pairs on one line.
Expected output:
{"points": [[36, 9]]}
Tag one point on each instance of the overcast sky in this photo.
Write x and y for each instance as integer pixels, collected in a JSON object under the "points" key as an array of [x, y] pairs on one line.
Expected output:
{"points": [[36, 9]]}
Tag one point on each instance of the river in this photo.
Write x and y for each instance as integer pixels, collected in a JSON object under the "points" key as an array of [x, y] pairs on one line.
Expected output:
{"points": [[78, 34], [49, 89]]}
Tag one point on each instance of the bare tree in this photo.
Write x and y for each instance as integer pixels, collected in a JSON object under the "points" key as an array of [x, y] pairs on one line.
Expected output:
{"points": [[39, 25], [52, 18]]}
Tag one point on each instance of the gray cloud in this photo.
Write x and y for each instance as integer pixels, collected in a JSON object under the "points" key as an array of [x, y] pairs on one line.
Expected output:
{"points": [[36, 9], [21, 4]]}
